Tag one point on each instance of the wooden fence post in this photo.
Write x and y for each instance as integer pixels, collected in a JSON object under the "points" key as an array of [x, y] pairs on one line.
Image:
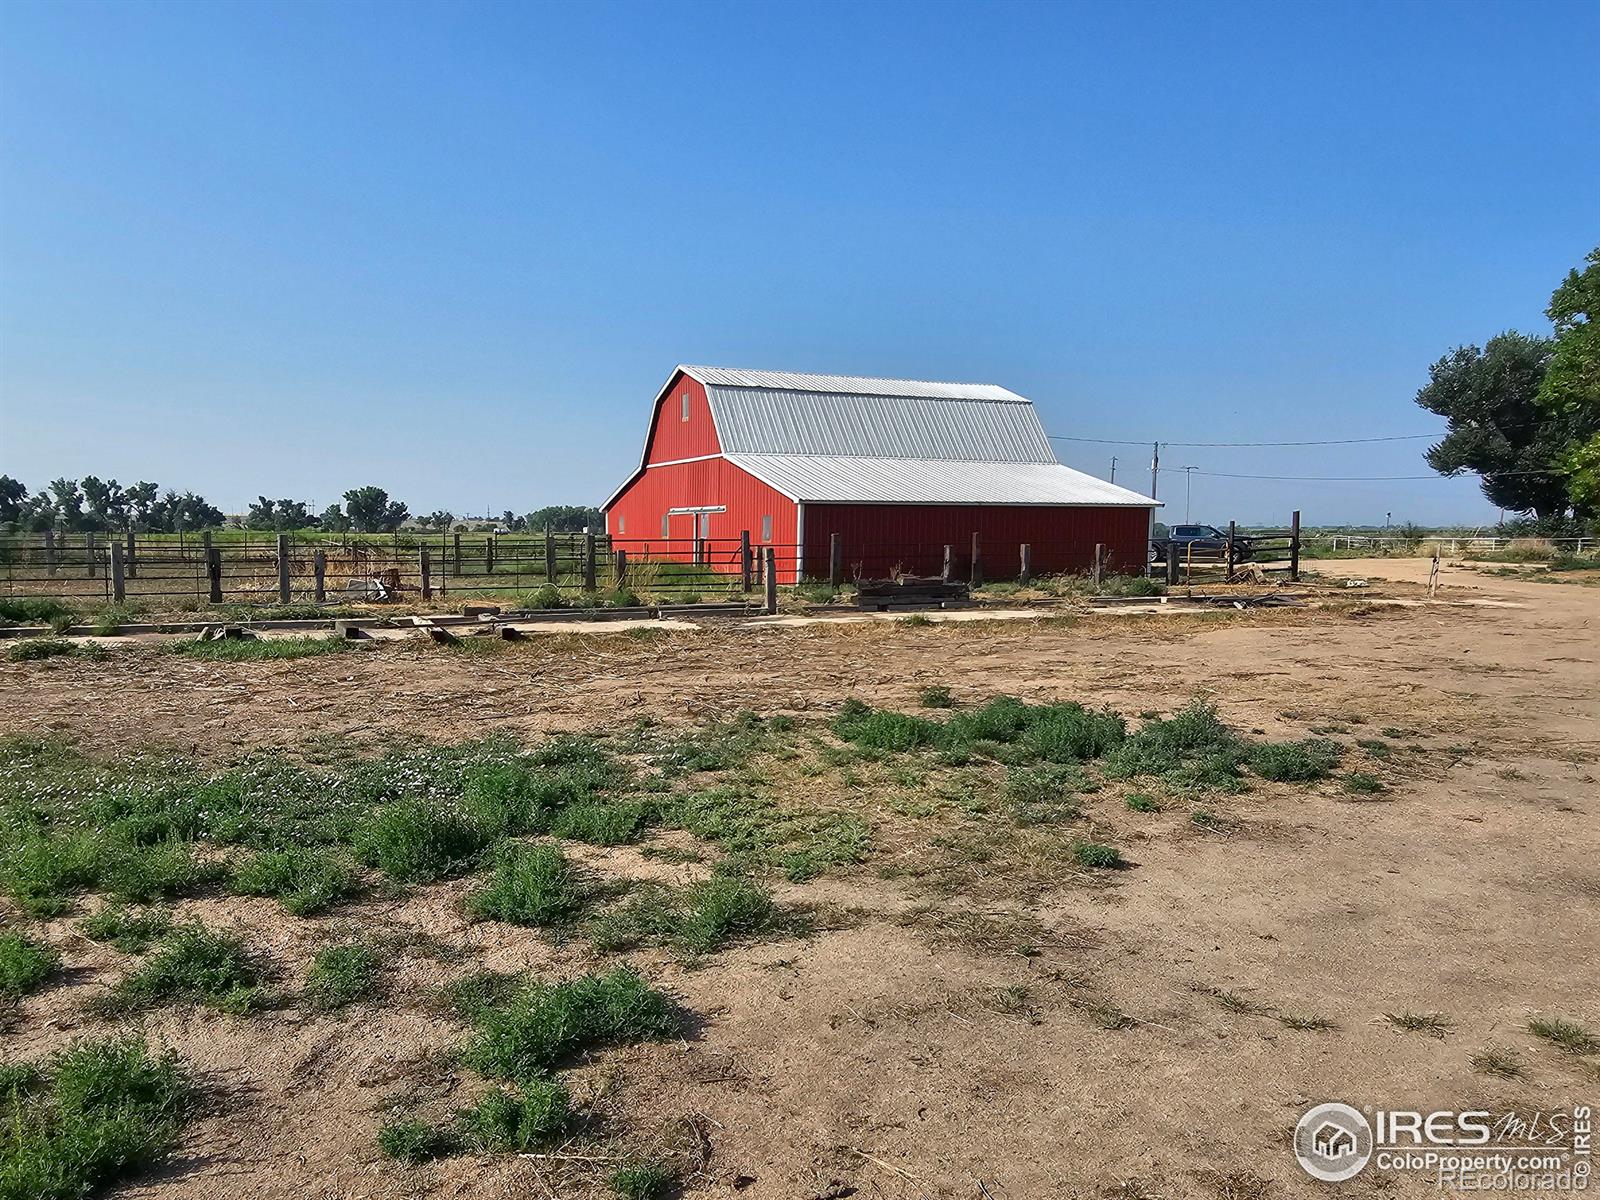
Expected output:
{"points": [[947, 573], [1232, 529], [769, 568], [835, 559], [1172, 564], [214, 572], [50, 551], [283, 568], [977, 563], [1099, 574], [130, 560], [88, 547], [488, 554], [549, 558], [744, 560], [319, 572], [425, 570], [455, 555], [619, 566], [1294, 546], [119, 591], [588, 560], [1025, 575]]}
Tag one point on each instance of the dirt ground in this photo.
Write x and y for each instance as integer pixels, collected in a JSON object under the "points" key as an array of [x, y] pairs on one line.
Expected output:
{"points": [[910, 1050]]}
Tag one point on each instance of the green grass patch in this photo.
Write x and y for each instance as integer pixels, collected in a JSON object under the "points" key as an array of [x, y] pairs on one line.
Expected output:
{"points": [[34, 649], [129, 930], [1139, 802], [1431, 1023], [258, 649], [936, 696], [416, 1141], [24, 964], [545, 1024], [416, 842], [1058, 733], [1499, 1062], [35, 610], [501, 1122], [529, 885], [341, 975], [196, 965], [97, 1113], [1376, 747], [647, 1180], [1569, 1035], [1190, 751], [1360, 783], [1295, 762], [304, 879], [1097, 856], [611, 824], [699, 919]]}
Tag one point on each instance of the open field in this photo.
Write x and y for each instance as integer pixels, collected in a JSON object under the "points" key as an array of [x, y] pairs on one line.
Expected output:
{"points": [[918, 945]]}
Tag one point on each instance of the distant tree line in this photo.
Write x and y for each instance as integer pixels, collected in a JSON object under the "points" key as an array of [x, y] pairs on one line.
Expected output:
{"points": [[1524, 411], [71, 505], [103, 504]]}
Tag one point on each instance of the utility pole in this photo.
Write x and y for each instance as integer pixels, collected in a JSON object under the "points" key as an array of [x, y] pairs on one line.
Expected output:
{"points": [[1188, 477], [1155, 466], [1113, 468]]}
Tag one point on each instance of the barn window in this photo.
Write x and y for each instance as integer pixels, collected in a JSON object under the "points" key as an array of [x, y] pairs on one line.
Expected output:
{"points": [[766, 529], [686, 406], [666, 525], [622, 523]]}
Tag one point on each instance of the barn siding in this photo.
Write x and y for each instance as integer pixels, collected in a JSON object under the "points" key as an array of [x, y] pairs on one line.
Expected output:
{"points": [[671, 437], [881, 538], [709, 482]]}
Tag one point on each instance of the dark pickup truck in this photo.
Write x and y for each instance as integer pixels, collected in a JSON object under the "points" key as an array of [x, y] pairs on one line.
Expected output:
{"points": [[1204, 543]]}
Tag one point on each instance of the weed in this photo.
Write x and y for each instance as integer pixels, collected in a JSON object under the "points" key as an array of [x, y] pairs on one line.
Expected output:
{"points": [[95, 1114], [915, 620], [1294, 762], [529, 885], [40, 870], [132, 932], [341, 975], [1235, 1003], [415, 1141], [1376, 747], [1096, 856], [1191, 751], [33, 649], [195, 964], [936, 696], [479, 990], [1308, 1024], [35, 610], [1500, 1062], [699, 919], [641, 1180], [1433, 1024], [1569, 1035], [1139, 802], [600, 824], [304, 879], [1131, 585], [1044, 794], [1361, 783], [1107, 1016], [141, 873], [414, 842], [543, 1025], [24, 964], [259, 649], [501, 1122]]}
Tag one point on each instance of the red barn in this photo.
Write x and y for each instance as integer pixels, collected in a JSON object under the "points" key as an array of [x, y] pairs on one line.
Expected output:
{"points": [[899, 468]]}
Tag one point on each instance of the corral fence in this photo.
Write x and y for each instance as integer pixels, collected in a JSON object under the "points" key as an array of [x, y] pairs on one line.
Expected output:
{"points": [[536, 570], [1446, 544]]}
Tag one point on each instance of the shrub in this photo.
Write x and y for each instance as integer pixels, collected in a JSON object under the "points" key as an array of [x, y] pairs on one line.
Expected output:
{"points": [[501, 1122], [24, 964], [546, 1024], [414, 842], [1097, 856], [33, 649], [195, 964], [341, 975], [98, 1112], [1295, 762], [641, 1181], [129, 931], [1361, 783], [600, 824], [415, 1141], [936, 696], [1139, 802], [35, 610], [1191, 751], [304, 879], [548, 596], [530, 885]]}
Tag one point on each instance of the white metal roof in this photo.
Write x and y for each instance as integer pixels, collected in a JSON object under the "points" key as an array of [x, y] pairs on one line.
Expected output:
{"points": [[857, 385], [774, 421], [858, 479]]}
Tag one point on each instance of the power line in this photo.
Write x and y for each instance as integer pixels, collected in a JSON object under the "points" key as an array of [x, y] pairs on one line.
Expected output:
{"points": [[1403, 437], [1348, 478]]}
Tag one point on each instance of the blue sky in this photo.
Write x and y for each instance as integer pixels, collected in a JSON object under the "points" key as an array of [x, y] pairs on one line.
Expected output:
{"points": [[455, 249]]}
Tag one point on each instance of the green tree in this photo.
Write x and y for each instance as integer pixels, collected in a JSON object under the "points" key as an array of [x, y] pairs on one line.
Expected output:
{"points": [[1571, 387], [333, 520], [371, 510], [66, 503], [13, 495], [567, 518], [1497, 427]]}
